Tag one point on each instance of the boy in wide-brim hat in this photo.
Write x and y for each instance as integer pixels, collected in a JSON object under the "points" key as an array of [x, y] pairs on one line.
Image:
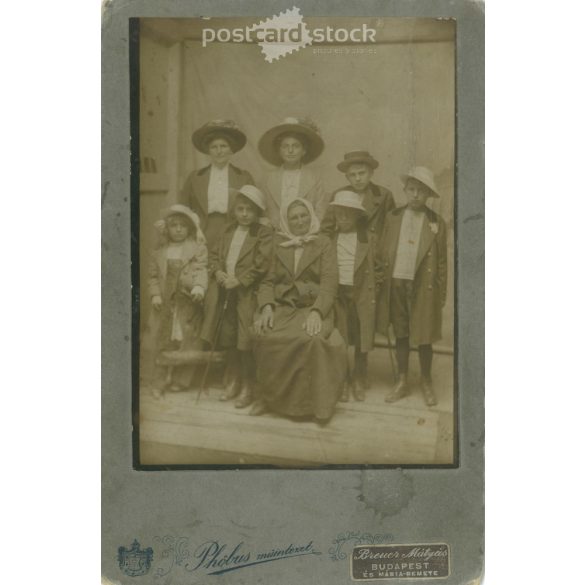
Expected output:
{"points": [[412, 253], [358, 166], [355, 306], [291, 146], [237, 264]]}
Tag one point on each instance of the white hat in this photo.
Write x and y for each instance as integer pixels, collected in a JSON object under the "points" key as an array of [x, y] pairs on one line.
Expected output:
{"points": [[178, 209], [424, 176], [254, 195], [348, 199]]}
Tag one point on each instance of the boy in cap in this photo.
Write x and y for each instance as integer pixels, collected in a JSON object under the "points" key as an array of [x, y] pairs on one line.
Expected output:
{"points": [[355, 306], [237, 265], [358, 167], [413, 255]]}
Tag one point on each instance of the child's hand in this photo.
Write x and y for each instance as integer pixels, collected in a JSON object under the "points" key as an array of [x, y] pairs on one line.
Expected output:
{"points": [[231, 282], [220, 276], [197, 293], [156, 302]]}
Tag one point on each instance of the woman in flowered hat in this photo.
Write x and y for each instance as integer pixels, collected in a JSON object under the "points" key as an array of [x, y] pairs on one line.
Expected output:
{"points": [[300, 356], [207, 190], [290, 146]]}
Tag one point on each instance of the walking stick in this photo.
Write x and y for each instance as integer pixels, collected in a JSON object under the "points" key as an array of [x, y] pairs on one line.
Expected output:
{"points": [[214, 344], [392, 359]]}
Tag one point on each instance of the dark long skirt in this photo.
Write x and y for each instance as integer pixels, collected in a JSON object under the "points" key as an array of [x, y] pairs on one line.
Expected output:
{"points": [[299, 375]]}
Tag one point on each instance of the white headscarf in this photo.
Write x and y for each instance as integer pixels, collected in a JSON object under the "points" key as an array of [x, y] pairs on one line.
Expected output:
{"points": [[298, 241]]}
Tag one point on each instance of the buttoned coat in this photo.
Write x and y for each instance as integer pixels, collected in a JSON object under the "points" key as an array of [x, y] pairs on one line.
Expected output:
{"points": [[310, 188], [364, 283], [251, 267], [176, 295], [194, 192], [194, 260], [378, 201], [314, 284], [430, 281]]}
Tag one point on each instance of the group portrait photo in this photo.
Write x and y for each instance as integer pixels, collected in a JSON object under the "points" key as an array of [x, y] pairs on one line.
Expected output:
{"points": [[296, 245]]}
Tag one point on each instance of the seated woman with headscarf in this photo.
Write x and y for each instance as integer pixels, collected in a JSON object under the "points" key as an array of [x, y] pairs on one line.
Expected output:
{"points": [[300, 356]]}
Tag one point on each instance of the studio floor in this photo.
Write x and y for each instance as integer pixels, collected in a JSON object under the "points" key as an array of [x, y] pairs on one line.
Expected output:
{"points": [[187, 429]]}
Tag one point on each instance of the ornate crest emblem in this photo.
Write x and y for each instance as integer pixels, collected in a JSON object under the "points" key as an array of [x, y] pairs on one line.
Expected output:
{"points": [[135, 561]]}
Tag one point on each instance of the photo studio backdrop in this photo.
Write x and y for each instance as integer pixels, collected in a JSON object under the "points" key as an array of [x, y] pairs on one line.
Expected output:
{"points": [[397, 102]]}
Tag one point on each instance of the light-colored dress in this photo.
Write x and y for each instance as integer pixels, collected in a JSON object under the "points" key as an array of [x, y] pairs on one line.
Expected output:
{"points": [[281, 187]]}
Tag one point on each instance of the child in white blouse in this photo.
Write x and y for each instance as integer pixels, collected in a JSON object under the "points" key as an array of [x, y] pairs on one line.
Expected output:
{"points": [[355, 307], [237, 264]]}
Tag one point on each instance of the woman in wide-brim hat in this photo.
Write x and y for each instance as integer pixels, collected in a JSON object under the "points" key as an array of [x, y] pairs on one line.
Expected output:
{"points": [[209, 191], [291, 146]]}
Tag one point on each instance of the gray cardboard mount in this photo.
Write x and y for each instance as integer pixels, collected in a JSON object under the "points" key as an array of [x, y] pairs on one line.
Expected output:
{"points": [[329, 511]]}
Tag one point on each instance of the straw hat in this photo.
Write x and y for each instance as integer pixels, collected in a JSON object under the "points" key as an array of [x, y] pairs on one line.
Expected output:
{"points": [[227, 129], [304, 127], [348, 199], [357, 157], [178, 209], [253, 194], [424, 176]]}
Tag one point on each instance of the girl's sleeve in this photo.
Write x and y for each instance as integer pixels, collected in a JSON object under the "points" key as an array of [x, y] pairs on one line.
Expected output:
{"points": [[195, 273], [154, 287], [320, 199]]}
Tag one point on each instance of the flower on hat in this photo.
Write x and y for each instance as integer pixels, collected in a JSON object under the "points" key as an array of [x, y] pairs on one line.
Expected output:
{"points": [[160, 225], [309, 123]]}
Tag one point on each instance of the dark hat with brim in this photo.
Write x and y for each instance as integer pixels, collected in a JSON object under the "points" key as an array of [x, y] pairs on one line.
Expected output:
{"points": [[227, 129], [357, 157], [304, 128]]}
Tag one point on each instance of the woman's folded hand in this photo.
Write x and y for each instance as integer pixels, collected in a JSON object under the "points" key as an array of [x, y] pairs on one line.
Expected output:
{"points": [[265, 321]]}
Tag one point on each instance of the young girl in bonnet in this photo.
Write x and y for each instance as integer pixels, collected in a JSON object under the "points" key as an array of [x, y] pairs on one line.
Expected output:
{"points": [[177, 282]]}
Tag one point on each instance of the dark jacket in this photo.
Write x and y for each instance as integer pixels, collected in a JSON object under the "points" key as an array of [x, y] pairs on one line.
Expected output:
{"points": [[430, 282], [364, 284], [252, 265], [315, 283], [194, 192], [378, 201]]}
